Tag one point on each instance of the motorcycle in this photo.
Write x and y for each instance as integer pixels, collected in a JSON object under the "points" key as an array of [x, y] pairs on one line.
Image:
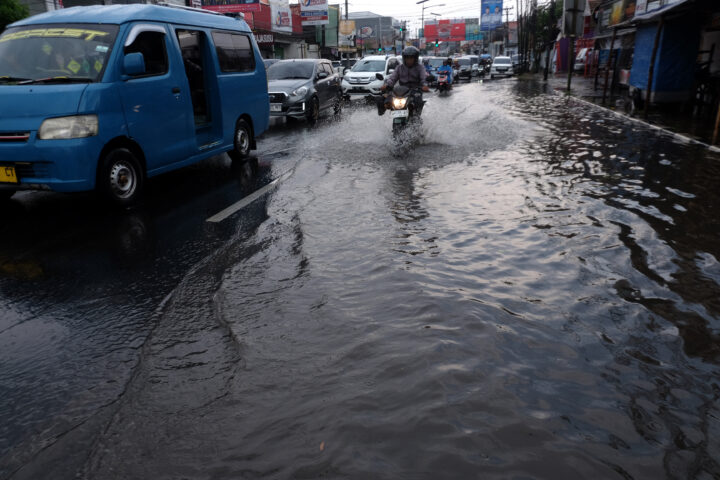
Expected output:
{"points": [[405, 109], [442, 83]]}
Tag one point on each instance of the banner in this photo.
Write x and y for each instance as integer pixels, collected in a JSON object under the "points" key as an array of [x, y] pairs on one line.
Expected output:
{"points": [[445, 30], [492, 11], [346, 34], [232, 6], [314, 12], [281, 16]]}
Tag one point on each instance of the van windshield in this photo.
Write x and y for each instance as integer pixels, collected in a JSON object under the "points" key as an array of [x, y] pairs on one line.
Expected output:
{"points": [[369, 66], [55, 53], [290, 70]]}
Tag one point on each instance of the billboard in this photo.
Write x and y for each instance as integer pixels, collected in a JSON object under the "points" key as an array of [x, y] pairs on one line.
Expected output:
{"points": [[472, 29], [314, 12], [281, 16], [445, 30], [491, 14], [232, 6], [346, 35]]}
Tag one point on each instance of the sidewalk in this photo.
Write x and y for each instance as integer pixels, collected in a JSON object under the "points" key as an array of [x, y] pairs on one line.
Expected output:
{"points": [[674, 119]]}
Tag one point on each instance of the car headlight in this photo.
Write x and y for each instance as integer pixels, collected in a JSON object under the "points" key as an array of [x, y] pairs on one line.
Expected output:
{"points": [[300, 92], [399, 103], [77, 126]]}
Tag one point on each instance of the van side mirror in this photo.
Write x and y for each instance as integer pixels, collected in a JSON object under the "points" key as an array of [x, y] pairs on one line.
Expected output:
{"points": [[379, 76], [134, 64]]}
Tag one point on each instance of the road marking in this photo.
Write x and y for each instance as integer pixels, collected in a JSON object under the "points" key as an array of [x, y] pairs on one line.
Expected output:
{"points": [[245, 201]]}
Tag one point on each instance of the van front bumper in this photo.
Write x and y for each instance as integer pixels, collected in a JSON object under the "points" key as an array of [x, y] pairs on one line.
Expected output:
{"points": [[58, 165]]}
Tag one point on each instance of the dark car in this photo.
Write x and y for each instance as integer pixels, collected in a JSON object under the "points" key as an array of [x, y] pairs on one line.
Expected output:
{"points": [[464, 68], [270, 61], [303, 89]]}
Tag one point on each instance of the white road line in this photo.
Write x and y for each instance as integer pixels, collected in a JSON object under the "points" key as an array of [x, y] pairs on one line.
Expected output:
{"points": [[244, 202]]}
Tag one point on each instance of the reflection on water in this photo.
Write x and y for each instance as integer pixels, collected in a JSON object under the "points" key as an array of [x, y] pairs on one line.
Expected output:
{"points": [[531, 292]]}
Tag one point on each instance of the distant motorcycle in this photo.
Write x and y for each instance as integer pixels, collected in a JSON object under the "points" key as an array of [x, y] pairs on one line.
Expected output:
{"points": [[442, 83]]}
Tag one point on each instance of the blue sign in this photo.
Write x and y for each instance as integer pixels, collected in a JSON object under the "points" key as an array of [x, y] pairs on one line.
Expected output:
{"points": [[492, 11]]}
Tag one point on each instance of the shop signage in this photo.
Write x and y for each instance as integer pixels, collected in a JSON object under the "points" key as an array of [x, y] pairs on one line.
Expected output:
{"points": [[231, 6], [314, 12]]}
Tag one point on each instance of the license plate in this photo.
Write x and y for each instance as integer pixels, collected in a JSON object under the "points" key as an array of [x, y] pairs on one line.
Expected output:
{"points": [[276, 107], [399, 114], [8, 175]]}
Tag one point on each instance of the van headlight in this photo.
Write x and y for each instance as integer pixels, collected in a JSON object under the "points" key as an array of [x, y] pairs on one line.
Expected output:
{"points": [[399, 103], [77, 126], [300, 92]]}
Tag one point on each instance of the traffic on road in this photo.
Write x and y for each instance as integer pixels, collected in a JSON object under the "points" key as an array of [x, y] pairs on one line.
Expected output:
{"points": [[410, 268]]}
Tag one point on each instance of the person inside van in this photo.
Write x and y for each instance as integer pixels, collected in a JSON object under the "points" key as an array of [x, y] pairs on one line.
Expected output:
{"points": [[410, 73]]}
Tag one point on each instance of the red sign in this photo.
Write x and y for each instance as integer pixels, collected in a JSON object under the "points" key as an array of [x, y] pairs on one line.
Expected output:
{"points": [[445, 31], [232, 6]]}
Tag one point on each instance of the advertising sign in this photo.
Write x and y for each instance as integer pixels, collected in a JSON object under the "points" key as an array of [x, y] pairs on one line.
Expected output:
{"points": [[491, 14], [281, 16], [314, 12], [445, 30], [346, 33], [232, 6]]}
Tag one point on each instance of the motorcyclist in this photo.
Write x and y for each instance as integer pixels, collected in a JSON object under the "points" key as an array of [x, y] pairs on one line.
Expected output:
{"points": [[410, 73], [447, 69]]}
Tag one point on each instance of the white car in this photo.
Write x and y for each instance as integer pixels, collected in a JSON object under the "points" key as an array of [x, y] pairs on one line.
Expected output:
{"points": [[360, 81], [501, 66]]}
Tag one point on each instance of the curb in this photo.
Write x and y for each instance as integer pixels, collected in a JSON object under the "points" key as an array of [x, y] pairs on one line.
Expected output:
{"points": [[679, 136]]}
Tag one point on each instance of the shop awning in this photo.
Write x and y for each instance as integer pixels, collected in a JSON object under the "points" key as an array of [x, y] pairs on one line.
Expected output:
{"points": [[654, 13]]}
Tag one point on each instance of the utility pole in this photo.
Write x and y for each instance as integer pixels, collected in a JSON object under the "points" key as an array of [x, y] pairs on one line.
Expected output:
{"points": [[507, 27], [571, 58]]}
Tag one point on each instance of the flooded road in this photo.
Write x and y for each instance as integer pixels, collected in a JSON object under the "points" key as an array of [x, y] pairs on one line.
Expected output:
{"points": [[533, 292]]}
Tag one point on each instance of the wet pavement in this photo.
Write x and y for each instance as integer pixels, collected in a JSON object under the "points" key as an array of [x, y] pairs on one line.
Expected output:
{"points": [[533, 292]]}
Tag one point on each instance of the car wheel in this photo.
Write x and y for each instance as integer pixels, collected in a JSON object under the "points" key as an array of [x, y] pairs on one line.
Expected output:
{"points": [[120, 177], [6, 195], [492, 76], [337, 109], [242, 141], [314, 113]]}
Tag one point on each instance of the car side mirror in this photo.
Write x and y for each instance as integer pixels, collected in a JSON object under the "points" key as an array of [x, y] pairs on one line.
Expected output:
{"points": [[134, 64], [379, 76], [322, 75]]}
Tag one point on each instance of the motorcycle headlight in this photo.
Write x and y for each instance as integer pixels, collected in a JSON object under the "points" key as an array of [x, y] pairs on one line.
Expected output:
{"points": [[399, 103], [300, 92], [78, 126]]}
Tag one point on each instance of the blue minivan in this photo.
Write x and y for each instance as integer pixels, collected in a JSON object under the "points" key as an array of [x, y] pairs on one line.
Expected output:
{"points": [[104, 97]]}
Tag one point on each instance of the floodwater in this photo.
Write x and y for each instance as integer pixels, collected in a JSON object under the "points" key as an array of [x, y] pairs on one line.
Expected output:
{"points": [[532, 292]]}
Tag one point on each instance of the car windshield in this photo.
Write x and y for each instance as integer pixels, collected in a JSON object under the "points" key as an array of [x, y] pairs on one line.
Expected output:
{"points": [[290, 70], [502, 61], [369, 66], [436, 62], [464, 61], [55, 53]]}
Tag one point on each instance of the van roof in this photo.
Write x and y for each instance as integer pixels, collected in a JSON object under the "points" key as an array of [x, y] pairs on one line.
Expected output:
{"points": [[118, 14]]}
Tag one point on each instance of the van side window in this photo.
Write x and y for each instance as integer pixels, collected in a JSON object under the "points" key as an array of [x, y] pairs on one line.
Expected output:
{"points": [[234, 52], [392, 64], [152, 46]]}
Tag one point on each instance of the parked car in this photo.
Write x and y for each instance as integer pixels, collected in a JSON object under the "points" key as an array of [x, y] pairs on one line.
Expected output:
{"points": [[270, 61], [131, 91], [501, 66], [361, 80], [517, 61], [303, 89], [475, 64], [581, 59]]}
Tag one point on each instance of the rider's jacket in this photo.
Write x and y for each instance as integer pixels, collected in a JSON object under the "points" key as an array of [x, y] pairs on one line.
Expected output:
{"points": [[414, 77], [447, 69]]}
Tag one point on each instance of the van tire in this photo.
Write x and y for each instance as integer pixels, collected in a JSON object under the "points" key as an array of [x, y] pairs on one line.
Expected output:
{"points": [[6, 195], [242, 141], [120, 177]]}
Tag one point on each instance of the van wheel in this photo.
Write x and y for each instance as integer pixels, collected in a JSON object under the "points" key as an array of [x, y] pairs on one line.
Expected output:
{"points": [[6, 195], [314, 112], [120, 177], [242, 141]]}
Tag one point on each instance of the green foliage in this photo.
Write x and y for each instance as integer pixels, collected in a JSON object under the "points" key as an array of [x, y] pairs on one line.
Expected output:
{"points": [[11, 11]]}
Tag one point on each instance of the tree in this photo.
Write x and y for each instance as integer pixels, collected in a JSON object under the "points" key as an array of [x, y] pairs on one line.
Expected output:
{"points": [[11, 11]]}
